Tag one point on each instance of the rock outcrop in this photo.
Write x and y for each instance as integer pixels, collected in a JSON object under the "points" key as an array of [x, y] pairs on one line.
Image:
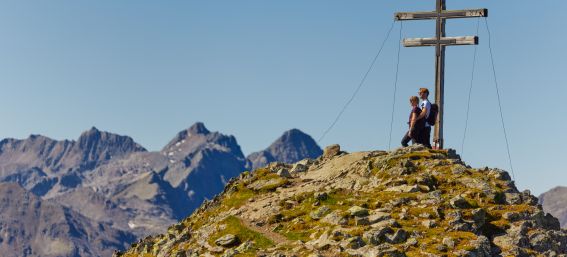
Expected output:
{"points": [[409, 202]]}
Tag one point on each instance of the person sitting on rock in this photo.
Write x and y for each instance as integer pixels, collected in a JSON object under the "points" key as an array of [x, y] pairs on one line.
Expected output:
{"points": [[415, 126]]}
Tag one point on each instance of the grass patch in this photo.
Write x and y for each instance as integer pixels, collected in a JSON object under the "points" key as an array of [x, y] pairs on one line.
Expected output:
{"points": [[239, 197], [234, 226]]}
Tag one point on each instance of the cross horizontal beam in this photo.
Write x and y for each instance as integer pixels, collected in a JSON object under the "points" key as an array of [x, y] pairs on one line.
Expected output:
{"points": [[403, 16], [445, 41]]}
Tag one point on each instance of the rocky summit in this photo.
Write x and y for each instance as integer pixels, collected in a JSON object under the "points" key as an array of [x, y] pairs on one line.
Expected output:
{"points": [[409, 202]]}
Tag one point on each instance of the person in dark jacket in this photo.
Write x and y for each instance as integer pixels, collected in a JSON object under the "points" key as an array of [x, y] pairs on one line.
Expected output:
{"points": [[416, 125]]}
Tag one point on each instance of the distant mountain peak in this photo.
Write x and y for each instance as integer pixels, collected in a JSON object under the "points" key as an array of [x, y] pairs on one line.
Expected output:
{"points": [[294, 145], [37, 137], [91, 133], [294, 134], [198, 128]]}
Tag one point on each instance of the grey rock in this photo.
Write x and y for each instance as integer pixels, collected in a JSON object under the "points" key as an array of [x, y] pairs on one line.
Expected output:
{"points": [[500, 174], [322, 243], [227, 240], [352, 243], [482, 246], [398, 237], [479, 217], [284, 173], [513, 198], [230, 253], [449, 242], [321, 196], [361, 221], [511, 216], [386, 223], [546, 221], [298, 167], [358, 211], [245, 246], [459, 169], [403, 189], [335, 218], [459, 202], [377, 236], [264, 184], [376, 217]]}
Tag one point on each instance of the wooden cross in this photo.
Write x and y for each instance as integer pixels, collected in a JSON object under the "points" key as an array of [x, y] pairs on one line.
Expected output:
{"points": [[440, 42]]}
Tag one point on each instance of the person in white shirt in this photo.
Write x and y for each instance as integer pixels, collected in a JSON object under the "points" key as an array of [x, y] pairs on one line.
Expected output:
{"points": [[425, 111]]}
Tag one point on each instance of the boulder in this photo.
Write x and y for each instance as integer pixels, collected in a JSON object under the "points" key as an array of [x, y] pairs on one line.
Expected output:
{"points": [[284, 173], [320, 196], [377, 236], [376, 217], [398, 237], [298, 167], [227, 240], [332, 151], [352, 243], [459, 202], [358, 211], [335, 218]]}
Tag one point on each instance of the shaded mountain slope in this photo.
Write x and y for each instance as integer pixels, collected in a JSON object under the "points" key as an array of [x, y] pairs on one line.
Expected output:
{"points": [[145, 192], [554, 202], [30, 226]]}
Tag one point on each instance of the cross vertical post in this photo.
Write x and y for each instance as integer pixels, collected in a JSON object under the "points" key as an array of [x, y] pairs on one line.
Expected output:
{"points": [[440, 15], [439, 76]]}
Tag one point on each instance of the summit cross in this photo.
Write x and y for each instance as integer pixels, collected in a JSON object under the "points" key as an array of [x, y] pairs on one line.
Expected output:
{"points": [[440, 42]]}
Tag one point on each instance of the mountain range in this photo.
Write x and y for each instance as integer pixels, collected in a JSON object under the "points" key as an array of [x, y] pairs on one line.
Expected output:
{"points": [[104, 190]]}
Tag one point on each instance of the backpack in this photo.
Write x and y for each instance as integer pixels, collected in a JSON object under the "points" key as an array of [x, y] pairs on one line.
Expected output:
{"points": [[432, 115]]}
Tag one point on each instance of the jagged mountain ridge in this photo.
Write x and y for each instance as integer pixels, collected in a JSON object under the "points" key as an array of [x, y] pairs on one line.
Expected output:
{"points": [[409, 202], [130, 189], [93, 148], [41, 164]]}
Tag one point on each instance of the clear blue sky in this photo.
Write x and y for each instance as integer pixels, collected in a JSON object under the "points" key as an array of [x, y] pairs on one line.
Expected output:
{"points": [[255, 68]]}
